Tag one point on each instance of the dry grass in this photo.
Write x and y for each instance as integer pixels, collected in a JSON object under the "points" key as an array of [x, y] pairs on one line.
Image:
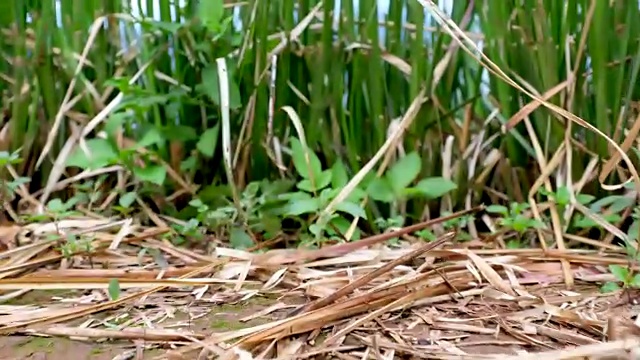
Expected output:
{"points": [[438, 300]]}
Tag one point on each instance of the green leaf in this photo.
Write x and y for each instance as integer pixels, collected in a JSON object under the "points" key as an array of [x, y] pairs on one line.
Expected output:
{"points": [[521, 223], [239, 238], [303, 206], [209, 141], [585, 199], [56, 206], [211, 13], [518, 208], [339, 177], [179, 133], [6, 158], [498, 209], [115, 122], [622, 204], [188, 164], [271, 224], [427, 235], [114, 289], [563, 197], [403, 172], [102, 153], [352, 209], [619, 272], [127, 199], [315, 229], [609, 286], [356, 195], [343, 226], [636, 281], [435, 187], [166, 26], [151, 137], [321, 182], [583, 222], [211, 87], [305, 169], [514, 244], [633, 229], [380, 190], [152, 173]]}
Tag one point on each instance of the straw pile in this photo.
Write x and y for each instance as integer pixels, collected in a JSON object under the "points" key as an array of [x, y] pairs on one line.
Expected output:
{"points": [[364, 299]]}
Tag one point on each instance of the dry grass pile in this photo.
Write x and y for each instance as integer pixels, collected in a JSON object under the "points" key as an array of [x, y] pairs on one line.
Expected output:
{"points": [[364, 299]]}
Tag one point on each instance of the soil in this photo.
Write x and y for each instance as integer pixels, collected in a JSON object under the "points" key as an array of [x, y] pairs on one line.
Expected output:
{"points": [[24, 347], [42, 348]]}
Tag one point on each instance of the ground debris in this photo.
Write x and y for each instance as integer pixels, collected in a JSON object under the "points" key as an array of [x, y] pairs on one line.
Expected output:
{"points": [[434, 300]]}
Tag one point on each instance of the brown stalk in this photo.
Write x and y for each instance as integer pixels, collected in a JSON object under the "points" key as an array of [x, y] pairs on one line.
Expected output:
{"points": [[365, 279]]}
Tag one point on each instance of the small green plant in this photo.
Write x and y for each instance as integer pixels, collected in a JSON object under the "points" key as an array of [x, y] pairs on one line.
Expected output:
{"points": [[624, 276], [610, 208], [514, 217], [8, 188], [395, 185]]}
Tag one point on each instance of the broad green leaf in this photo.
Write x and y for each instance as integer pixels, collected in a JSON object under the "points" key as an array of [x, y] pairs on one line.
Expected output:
{"points": [[321, 182], [239, 238], [352, 209], [427, 235], [251, 190], [115, 122], [380, 190], [211, 87], [339, 177], [599, 204], [356, 195], [303, 206], [211, 13], [188, 164], [114, 289], [403, 172], [563, 197], [271, 224], [13, 185], [56, 206], [610, 286], [294, 196], [305, 169], [152, 173], [166, 26], [498, 209], [585, 199], [209, 141], [619, 272], [583, 222], [151, 137], [343, 226], [315, 229], [127, 199], [633, 230], [102, 153], [621, 204], [179, 133], [435, 187], [521, 223], [9, 159]]}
